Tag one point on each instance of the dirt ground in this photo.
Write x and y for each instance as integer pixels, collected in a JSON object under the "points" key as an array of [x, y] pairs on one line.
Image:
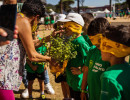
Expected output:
{"points": [[56, 86]]}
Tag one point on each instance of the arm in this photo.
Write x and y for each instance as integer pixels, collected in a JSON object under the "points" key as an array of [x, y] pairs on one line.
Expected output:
{"points": [[84, 82], [38, 42], [27, 41], [34, 68]]}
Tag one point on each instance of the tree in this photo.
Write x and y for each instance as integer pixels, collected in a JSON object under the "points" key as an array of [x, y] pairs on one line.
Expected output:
{"points": [[110, 5], [64, 5], [82, 2], [50, 6], [128, 2], [61, 7]]}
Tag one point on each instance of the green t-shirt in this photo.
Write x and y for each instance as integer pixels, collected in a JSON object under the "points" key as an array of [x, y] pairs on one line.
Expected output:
{"points": [[47, 20], [96, 68], [75, 81], [115, 83], [87, 39], [52, 21], [42, 50]]}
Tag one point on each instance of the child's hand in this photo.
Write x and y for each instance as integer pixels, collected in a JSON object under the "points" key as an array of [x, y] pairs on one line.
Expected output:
{"points": [[34, 67], [75, 71], [55, 32]]}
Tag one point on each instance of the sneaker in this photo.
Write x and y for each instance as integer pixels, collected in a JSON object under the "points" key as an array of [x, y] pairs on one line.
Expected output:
{"points": [[49, 89], [25, 93], [43, 97]]}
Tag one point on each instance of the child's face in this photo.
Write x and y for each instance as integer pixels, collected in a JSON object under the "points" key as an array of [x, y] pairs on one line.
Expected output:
{"points": [[68, 32], [72, 28], [60, 25], [106, 56]]}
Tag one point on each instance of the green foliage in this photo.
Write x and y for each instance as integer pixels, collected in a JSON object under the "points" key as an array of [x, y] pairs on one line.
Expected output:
{"points": [[123, 5], [66, 5], [118, 0], [50, 6], [62, 49]]}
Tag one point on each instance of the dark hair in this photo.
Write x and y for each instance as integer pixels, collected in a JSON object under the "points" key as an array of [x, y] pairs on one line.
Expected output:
{"points": [[88, 17], [120, 34], [33, 8], [52, 17], [98, 25]]}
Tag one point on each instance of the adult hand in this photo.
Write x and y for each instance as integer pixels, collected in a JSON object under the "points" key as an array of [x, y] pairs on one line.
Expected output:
{"points": [[75, 71], [10, 1], [83, 96], [4, 34]]}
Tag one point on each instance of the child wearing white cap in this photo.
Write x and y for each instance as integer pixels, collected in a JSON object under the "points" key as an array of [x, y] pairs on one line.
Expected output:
{"points": [[73, 25], [62, 77]]}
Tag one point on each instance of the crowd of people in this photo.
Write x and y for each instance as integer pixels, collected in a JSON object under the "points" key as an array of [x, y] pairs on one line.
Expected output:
{"points": [[49, 21], [119, 13], [99, 71]]}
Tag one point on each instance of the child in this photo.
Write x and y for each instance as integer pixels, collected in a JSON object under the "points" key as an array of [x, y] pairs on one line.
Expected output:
{"points": [[88, 17], [47, 22], [62, 77], [47, 84], [73, 25], [36, 70], [52, 20], [94, 65], [115, 46]]}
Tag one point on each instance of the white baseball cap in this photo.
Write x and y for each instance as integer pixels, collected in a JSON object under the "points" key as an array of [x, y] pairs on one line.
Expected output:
{"points": [[60, 17], [75, 17]]}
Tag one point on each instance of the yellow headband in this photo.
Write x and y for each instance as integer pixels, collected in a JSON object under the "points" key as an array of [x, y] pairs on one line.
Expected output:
{"points": [[96, 39], [117, 49], [74, 27]]}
